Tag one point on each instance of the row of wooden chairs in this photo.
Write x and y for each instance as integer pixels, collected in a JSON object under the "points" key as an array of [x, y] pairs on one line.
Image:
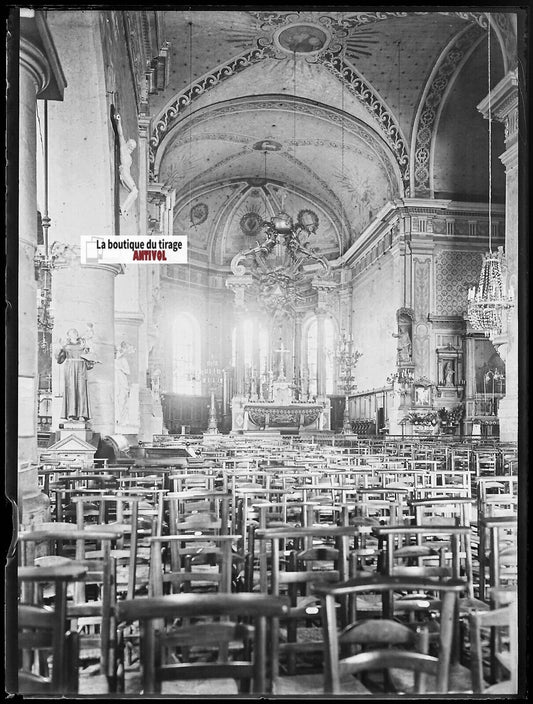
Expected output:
{"points": [[214, 523]]}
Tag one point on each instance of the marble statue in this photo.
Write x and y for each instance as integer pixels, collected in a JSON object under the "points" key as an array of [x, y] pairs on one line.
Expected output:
{"points": [[404, 343], [448, 374], [122, 382]]}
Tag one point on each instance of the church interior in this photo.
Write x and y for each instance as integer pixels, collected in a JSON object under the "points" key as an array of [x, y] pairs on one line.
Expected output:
{"points": [[285, 464]]}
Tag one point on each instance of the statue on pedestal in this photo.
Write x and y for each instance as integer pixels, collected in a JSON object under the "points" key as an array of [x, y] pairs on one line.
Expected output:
{"points": [[404, 342], [74, 354]]}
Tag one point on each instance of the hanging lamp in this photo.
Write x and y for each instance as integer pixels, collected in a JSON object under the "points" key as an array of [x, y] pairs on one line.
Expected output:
{"points": [[488, 303]]}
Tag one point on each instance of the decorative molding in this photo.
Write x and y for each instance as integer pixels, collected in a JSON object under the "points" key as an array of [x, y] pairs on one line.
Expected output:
{"points": [[442, 77], [303, 106], [164, 123], [504, 105], [386, 122]]}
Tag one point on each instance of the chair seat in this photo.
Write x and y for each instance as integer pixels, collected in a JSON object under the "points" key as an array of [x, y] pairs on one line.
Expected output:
{"points": [[504, 687], [51, 560], [313, 684], [460, 680]]}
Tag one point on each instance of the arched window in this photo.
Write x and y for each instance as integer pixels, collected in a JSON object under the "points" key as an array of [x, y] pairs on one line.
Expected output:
{"points": [[247, 345], [327, 352], [186, 378]]}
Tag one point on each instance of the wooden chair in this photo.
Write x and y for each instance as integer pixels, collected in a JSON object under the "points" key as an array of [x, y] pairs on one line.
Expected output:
{"points": [[42, 629], [498, 553], [94, 615], [338, 641], [203, 624], [300, 558], [191, 561], [503, 626]]}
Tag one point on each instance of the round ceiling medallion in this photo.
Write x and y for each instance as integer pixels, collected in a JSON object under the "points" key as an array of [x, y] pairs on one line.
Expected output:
{"points": [[302, 38]]}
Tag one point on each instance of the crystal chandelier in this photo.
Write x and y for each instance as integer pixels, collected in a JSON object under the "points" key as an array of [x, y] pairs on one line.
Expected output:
{"points": [[487, 305]]}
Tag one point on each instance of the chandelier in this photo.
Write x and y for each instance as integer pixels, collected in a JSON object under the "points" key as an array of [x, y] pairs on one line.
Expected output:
{"points": [[487, 305], [276, 263]]}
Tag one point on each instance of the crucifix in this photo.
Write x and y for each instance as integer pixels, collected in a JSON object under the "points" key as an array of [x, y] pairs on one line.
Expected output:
{"points": [[281, 368]]}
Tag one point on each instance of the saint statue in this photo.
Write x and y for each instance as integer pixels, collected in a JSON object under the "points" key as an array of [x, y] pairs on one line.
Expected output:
{"points": [[404, 342], [74, 354], [122, 382], [448, 374]]}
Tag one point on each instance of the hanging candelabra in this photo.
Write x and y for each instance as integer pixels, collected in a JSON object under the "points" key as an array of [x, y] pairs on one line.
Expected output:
{"points": [[489, 303], [346, 358], [212, 376]]}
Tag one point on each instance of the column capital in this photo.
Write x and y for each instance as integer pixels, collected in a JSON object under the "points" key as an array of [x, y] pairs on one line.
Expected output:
{"points": [[65, 255], [34, 62], [239, 285], [38, 55], [144, 123], [323, 288]]}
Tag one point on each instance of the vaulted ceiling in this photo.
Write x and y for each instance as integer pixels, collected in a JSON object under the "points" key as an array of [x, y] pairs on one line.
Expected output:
{"points": [[335, 112]]}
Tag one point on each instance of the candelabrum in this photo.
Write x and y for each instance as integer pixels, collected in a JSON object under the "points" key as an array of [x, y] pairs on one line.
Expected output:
{"points": [[402, 379], [212, 377], [492, 377], [346, 358], [45, 319]]}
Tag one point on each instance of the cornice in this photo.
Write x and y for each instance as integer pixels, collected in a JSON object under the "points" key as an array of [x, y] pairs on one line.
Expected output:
{"points": [[503, 98]]}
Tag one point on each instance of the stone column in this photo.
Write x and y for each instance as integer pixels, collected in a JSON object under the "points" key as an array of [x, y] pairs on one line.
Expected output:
{"points": [[504, 108], [83, 297], [40, 76], [323, 288], [239, 285], [320, 358], [297, 371]]}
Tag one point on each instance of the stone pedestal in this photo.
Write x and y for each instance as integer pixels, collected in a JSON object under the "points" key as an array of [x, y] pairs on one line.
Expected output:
{"points": [[79, 430], [237, 413], [72, 448]]}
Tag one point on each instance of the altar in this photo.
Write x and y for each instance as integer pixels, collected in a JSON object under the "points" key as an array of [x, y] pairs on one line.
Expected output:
{"points": [[294, 416]]}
